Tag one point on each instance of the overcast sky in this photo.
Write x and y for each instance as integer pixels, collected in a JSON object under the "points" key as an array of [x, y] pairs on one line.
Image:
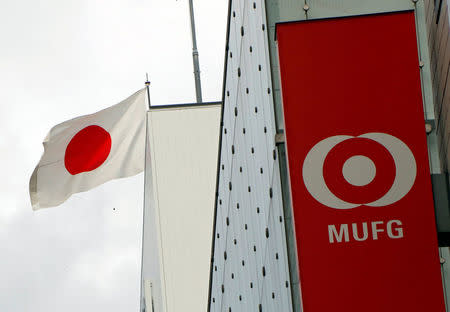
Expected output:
{"points": [[60, 59]]}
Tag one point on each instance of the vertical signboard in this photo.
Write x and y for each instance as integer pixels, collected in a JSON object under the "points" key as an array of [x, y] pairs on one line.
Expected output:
{"points": [[358, 164]]}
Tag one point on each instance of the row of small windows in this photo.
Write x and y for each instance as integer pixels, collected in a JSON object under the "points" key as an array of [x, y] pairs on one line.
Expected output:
{"points": [[227, 221], [240, 297], [247, 90], [286, 284], [252, 149]]}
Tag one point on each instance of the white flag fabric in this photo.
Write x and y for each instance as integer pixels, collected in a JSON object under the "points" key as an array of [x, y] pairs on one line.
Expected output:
{"points": [[87, 151]]}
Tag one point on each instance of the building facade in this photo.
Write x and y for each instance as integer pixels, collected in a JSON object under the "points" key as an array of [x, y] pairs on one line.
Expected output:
{"points": [[254, 257]]}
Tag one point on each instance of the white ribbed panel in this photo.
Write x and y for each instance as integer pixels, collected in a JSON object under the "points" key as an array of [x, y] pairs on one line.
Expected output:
{"points": [[249, 236], [180, 177]]}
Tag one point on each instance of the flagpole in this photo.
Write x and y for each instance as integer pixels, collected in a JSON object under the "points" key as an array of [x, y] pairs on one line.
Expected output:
{"points": [[198, 84], [142, 295]]}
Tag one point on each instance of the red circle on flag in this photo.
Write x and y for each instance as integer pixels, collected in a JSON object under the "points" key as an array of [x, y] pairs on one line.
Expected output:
{"points": [[377, 153], [87, 150]]}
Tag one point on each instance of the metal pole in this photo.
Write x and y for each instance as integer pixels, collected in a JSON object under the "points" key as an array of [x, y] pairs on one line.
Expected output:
{"points": [[198, 85], [142, 291]]}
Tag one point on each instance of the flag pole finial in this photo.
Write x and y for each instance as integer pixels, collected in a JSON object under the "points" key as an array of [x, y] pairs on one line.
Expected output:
{"points": [[147, 85]]}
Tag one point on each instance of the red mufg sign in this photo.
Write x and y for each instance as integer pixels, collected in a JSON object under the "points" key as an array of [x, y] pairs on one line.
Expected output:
{"points": [[358, 164]]}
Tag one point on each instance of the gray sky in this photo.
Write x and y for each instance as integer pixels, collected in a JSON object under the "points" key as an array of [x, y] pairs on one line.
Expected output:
{"points": [[65, 58]]}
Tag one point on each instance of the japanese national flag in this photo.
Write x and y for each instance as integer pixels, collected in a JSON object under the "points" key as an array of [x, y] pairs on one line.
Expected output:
{"points": [[84, 152]]}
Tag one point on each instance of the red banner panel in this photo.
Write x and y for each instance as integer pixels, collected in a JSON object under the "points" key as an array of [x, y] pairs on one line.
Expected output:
{"points": [[358, 164]]}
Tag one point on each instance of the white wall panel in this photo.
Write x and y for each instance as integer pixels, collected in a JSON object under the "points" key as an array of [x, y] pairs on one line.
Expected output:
{"points": [[182, 149]]}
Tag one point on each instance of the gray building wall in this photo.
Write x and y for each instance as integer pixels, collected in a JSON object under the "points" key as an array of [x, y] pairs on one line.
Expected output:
{"points": [[437, 19]]}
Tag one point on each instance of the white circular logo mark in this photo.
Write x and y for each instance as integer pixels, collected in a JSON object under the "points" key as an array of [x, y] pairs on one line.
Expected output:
{"points": [[360, 171]]}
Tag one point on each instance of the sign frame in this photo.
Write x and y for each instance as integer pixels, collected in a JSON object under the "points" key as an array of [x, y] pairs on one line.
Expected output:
{"points": [[306, 293]]}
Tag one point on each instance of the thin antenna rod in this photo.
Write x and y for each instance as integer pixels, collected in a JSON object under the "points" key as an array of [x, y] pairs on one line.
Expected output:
{"points": [[147, 85], [198, 84]]}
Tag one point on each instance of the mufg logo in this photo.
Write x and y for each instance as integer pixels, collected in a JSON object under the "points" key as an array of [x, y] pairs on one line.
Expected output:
{"points": [[345, 172]]}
